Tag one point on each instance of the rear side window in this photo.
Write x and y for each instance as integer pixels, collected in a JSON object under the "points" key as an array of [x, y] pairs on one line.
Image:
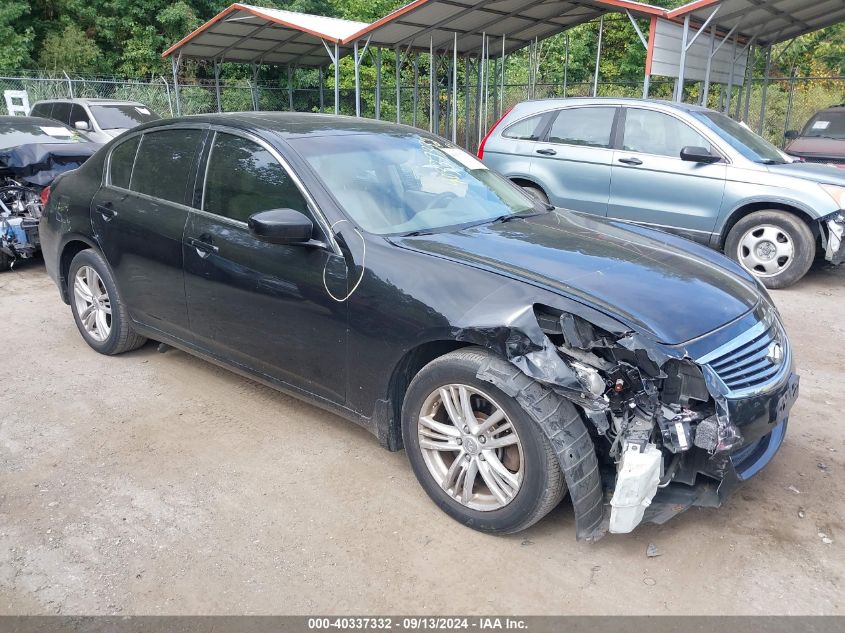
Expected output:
{"points": [[120, 165], [164, 162], [77, 113], [591, 127], [525, 130], [61, 111], [243, 178]]}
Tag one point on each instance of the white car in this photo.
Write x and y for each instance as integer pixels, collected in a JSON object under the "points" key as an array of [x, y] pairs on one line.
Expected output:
{"points": [[100, 119]]}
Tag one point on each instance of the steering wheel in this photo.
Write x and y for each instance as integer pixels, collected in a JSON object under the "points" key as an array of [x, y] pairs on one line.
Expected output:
{"points": [[439, 200]]}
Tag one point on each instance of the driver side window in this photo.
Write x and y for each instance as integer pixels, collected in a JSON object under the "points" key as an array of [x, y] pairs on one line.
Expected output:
{"points": [[650, 132], [243, 178]]}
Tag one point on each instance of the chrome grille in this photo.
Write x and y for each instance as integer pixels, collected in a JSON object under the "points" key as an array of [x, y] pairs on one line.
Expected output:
{"points": [[745, 362]]}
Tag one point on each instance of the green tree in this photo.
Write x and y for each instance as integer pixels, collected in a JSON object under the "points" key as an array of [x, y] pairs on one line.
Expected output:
{"points": [[69, 50], [16, 37]]}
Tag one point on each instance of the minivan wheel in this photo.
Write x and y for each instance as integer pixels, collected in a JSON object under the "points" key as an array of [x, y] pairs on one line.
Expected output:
{"points": [[537, 193], [475, 451], [775, 246], [97, 309]]}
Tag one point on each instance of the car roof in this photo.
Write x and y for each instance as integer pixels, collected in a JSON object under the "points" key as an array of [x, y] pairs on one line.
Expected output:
{"points": [[29, 120], [685, 107], [89, 101], [291, 124]]}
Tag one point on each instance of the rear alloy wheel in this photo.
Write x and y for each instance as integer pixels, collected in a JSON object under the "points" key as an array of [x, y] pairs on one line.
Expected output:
{"points": [[476, 452], [775, 246], [99, 314]]}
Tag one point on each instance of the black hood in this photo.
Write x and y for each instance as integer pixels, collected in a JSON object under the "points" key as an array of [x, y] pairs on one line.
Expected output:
{"points": [[40, 163], [671, 289]]}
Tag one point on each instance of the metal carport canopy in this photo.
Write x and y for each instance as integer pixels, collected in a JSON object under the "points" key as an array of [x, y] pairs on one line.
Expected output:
{"points": [[246, 34], [426, 24], [766, 21]]}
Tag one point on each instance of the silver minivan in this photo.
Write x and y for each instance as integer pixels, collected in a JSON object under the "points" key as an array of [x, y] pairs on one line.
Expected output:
{"points": [[680, 168], [100, 119]]}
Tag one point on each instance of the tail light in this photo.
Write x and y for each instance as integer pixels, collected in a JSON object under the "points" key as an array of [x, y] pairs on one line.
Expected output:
{"points": [[495, 125], [45, 196]]}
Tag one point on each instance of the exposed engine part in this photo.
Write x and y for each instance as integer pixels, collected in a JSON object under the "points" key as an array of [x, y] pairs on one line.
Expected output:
{"points": [[636, 484], [20, 211]]}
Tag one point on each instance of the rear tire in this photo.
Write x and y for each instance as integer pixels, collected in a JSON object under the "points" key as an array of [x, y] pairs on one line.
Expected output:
{"points": [[97, 308], [775, 246], [516, 498]]}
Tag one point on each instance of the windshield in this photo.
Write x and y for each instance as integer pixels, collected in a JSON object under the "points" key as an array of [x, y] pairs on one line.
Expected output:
{"points": [[119, 117], [743, 140], [826, 125], [404, 183], [15, 133]]}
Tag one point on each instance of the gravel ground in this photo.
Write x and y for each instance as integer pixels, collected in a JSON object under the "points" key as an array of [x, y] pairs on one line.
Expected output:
{"points": [[160, 484]]}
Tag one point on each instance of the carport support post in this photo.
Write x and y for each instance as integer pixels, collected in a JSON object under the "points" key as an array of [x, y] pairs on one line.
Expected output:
{"points": [[455, 90], [679, 85], [750, 76], [378, 84], [598, 56], [730, 89], [398, 85], [431, 85], [322, 100], [416, 97], [466, 102], [217, 84], [788, 118], [705, 92], [255, 94], [765, 90], [290, 88], [336, 79], [175, 62], [502, 87], [565, 64]]}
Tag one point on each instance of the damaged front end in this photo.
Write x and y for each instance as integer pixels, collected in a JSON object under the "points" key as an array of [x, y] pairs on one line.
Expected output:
{"points": [[20, 212], [833, 237], [672, 426]]}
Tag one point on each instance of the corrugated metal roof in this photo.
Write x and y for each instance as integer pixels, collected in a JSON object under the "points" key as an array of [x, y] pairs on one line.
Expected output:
{"points": [[243, 33], [425, 22], [769, 21]]}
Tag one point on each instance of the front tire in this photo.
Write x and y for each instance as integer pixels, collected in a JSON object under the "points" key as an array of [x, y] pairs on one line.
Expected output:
{"points": [[97, 309], [474, 450], [775, 246]]}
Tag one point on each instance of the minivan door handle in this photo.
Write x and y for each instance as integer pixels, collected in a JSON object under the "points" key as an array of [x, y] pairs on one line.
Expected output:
{"points": [[546, 151], [106, 211], [204, 249], [631, 161]]}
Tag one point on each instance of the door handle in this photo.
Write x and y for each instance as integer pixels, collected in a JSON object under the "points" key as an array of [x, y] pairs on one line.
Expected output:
{"points": [[204, 249], [631, 161], [106, 211], [546, 151]]}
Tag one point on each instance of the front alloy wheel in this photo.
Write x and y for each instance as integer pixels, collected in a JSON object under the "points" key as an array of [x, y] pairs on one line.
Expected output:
{"points": [[470, 447]]}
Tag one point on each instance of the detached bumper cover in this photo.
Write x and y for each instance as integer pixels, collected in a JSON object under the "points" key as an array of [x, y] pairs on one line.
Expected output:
{"points": [[763, 421]]}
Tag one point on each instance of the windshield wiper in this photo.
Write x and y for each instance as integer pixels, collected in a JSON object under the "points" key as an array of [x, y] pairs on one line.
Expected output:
{"points": [[771, 161], [414, 233]]}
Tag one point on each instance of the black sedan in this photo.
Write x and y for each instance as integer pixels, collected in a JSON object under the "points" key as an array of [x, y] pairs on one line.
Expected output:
{"points": [[516, 351]]}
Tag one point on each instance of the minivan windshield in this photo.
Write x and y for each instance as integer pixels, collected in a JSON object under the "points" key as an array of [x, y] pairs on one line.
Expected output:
{"points": [[743, 140], [122, 117], [409, 184]]}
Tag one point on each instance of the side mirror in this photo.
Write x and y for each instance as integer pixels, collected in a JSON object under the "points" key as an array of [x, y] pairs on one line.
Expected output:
{"points": [[696, 154], [81, 125], [281, 226], [791, 135]]}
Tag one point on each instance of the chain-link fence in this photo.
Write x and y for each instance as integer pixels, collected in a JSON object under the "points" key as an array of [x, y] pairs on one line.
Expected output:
{"points": [[789, 102]]}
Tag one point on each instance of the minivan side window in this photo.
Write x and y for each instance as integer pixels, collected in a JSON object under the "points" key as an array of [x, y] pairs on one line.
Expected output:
{"points": [[120, 164], [164, 162], [243, 178], [591, 127], [525, 130], [78, 113], [43, 110], [651, 132]]}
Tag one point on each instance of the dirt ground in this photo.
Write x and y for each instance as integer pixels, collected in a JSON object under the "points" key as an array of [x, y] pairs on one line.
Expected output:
{"points": [[160, 484]]}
